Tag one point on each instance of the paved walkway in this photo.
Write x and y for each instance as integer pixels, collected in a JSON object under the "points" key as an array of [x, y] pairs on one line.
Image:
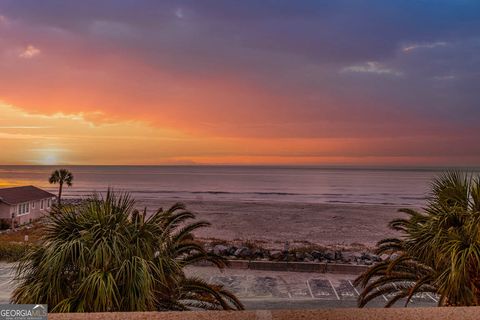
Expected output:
{"points": [[6, 275], [269, 289], [295, 290]]}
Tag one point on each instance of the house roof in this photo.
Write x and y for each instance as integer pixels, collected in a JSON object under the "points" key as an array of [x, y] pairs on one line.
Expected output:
{"points": [[23, 194]]}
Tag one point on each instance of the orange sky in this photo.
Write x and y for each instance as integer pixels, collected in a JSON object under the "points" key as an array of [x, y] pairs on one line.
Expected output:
{"points": [[29, 138], [97, 89]]}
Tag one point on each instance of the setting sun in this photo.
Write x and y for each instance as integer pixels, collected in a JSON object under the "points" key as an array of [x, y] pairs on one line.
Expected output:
{"points": [[48, 157]]}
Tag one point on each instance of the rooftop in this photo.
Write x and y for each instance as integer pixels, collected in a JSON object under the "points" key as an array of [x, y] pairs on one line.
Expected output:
{"points": [[23, 194]]}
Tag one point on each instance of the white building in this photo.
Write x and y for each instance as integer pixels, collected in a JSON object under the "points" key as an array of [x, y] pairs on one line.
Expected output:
{"points": [[24, 204]]}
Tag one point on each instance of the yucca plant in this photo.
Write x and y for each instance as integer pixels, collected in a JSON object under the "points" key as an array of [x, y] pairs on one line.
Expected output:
{"points": [[104, 255], [438, 251]]}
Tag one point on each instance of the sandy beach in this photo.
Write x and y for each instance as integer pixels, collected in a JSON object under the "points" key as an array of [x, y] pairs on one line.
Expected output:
{"points": [[274, 223]]}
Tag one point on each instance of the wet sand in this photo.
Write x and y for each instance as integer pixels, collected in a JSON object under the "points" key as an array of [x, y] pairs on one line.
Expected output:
{"points": [[275, 223]]}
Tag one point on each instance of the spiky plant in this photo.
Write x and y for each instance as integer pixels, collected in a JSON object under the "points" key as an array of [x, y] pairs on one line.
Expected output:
{"points": [[438, 251], [104, 255]]}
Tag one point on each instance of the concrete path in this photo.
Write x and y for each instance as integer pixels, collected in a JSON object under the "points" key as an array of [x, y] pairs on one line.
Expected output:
{"points": [[270, 289], [294, 290]]}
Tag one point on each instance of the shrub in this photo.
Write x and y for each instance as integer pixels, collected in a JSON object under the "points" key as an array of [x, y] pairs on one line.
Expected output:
{"points": [[105, 256], [13, 251], [4, 224]]}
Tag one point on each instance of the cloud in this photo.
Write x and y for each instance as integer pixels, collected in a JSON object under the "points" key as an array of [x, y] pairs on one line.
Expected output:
{"points": [[445, 77], [3, 20], [372, 67], [261, 69], [427, 45], [179, 13], [23, 127], [29, 52]]}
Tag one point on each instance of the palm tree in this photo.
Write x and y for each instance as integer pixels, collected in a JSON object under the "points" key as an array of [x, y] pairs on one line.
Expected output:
{"points": [[103, 255], [61, 176], [439, 251]]}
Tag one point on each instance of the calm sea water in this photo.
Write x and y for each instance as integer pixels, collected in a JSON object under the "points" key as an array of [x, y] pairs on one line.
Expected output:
{"points": [[294, 184]]}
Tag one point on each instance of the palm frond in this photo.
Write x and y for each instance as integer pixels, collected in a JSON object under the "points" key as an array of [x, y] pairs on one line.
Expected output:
{"points": [[439, 248], [104, 255]]}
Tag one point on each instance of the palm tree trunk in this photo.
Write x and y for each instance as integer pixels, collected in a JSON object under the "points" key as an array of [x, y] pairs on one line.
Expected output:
{"points": [[60, 194]]}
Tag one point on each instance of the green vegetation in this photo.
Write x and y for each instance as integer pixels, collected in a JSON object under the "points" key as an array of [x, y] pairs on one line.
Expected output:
{"points": [[12, 244], [439, 251], [33, 232], [61, 176], [4, 224], [104, 255], [12, 252]]}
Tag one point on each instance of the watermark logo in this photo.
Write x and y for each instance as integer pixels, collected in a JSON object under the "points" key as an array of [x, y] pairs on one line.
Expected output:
{"points": [[23, 312]]}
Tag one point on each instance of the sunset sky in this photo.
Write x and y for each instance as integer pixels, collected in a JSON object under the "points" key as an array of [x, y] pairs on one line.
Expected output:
{"points": [[240, 82]]}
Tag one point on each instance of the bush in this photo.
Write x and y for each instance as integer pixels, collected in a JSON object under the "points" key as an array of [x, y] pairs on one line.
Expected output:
{"points": [[105, 256], [12, 251], [4, 224]]}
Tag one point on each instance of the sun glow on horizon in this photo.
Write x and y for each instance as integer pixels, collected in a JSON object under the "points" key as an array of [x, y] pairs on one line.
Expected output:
{"points": [[71, 139], [48, 157]]}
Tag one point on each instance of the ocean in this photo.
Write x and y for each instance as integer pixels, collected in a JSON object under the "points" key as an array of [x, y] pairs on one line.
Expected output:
{"points": [[389, 186]]}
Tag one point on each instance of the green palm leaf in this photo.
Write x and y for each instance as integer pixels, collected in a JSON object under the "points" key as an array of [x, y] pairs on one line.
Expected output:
{"points": [[105, 256], [439, 248]]}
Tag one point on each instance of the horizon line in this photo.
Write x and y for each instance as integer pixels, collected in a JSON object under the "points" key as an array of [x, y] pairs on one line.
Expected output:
{"points": [[320, 166]]}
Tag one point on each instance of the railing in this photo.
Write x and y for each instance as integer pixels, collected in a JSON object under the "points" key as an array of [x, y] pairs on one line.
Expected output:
{"points": [[451, 313]]}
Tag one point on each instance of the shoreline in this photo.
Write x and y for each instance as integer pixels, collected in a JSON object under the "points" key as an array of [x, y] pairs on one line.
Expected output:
{"points": [[272, 224], [284, 232]]}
